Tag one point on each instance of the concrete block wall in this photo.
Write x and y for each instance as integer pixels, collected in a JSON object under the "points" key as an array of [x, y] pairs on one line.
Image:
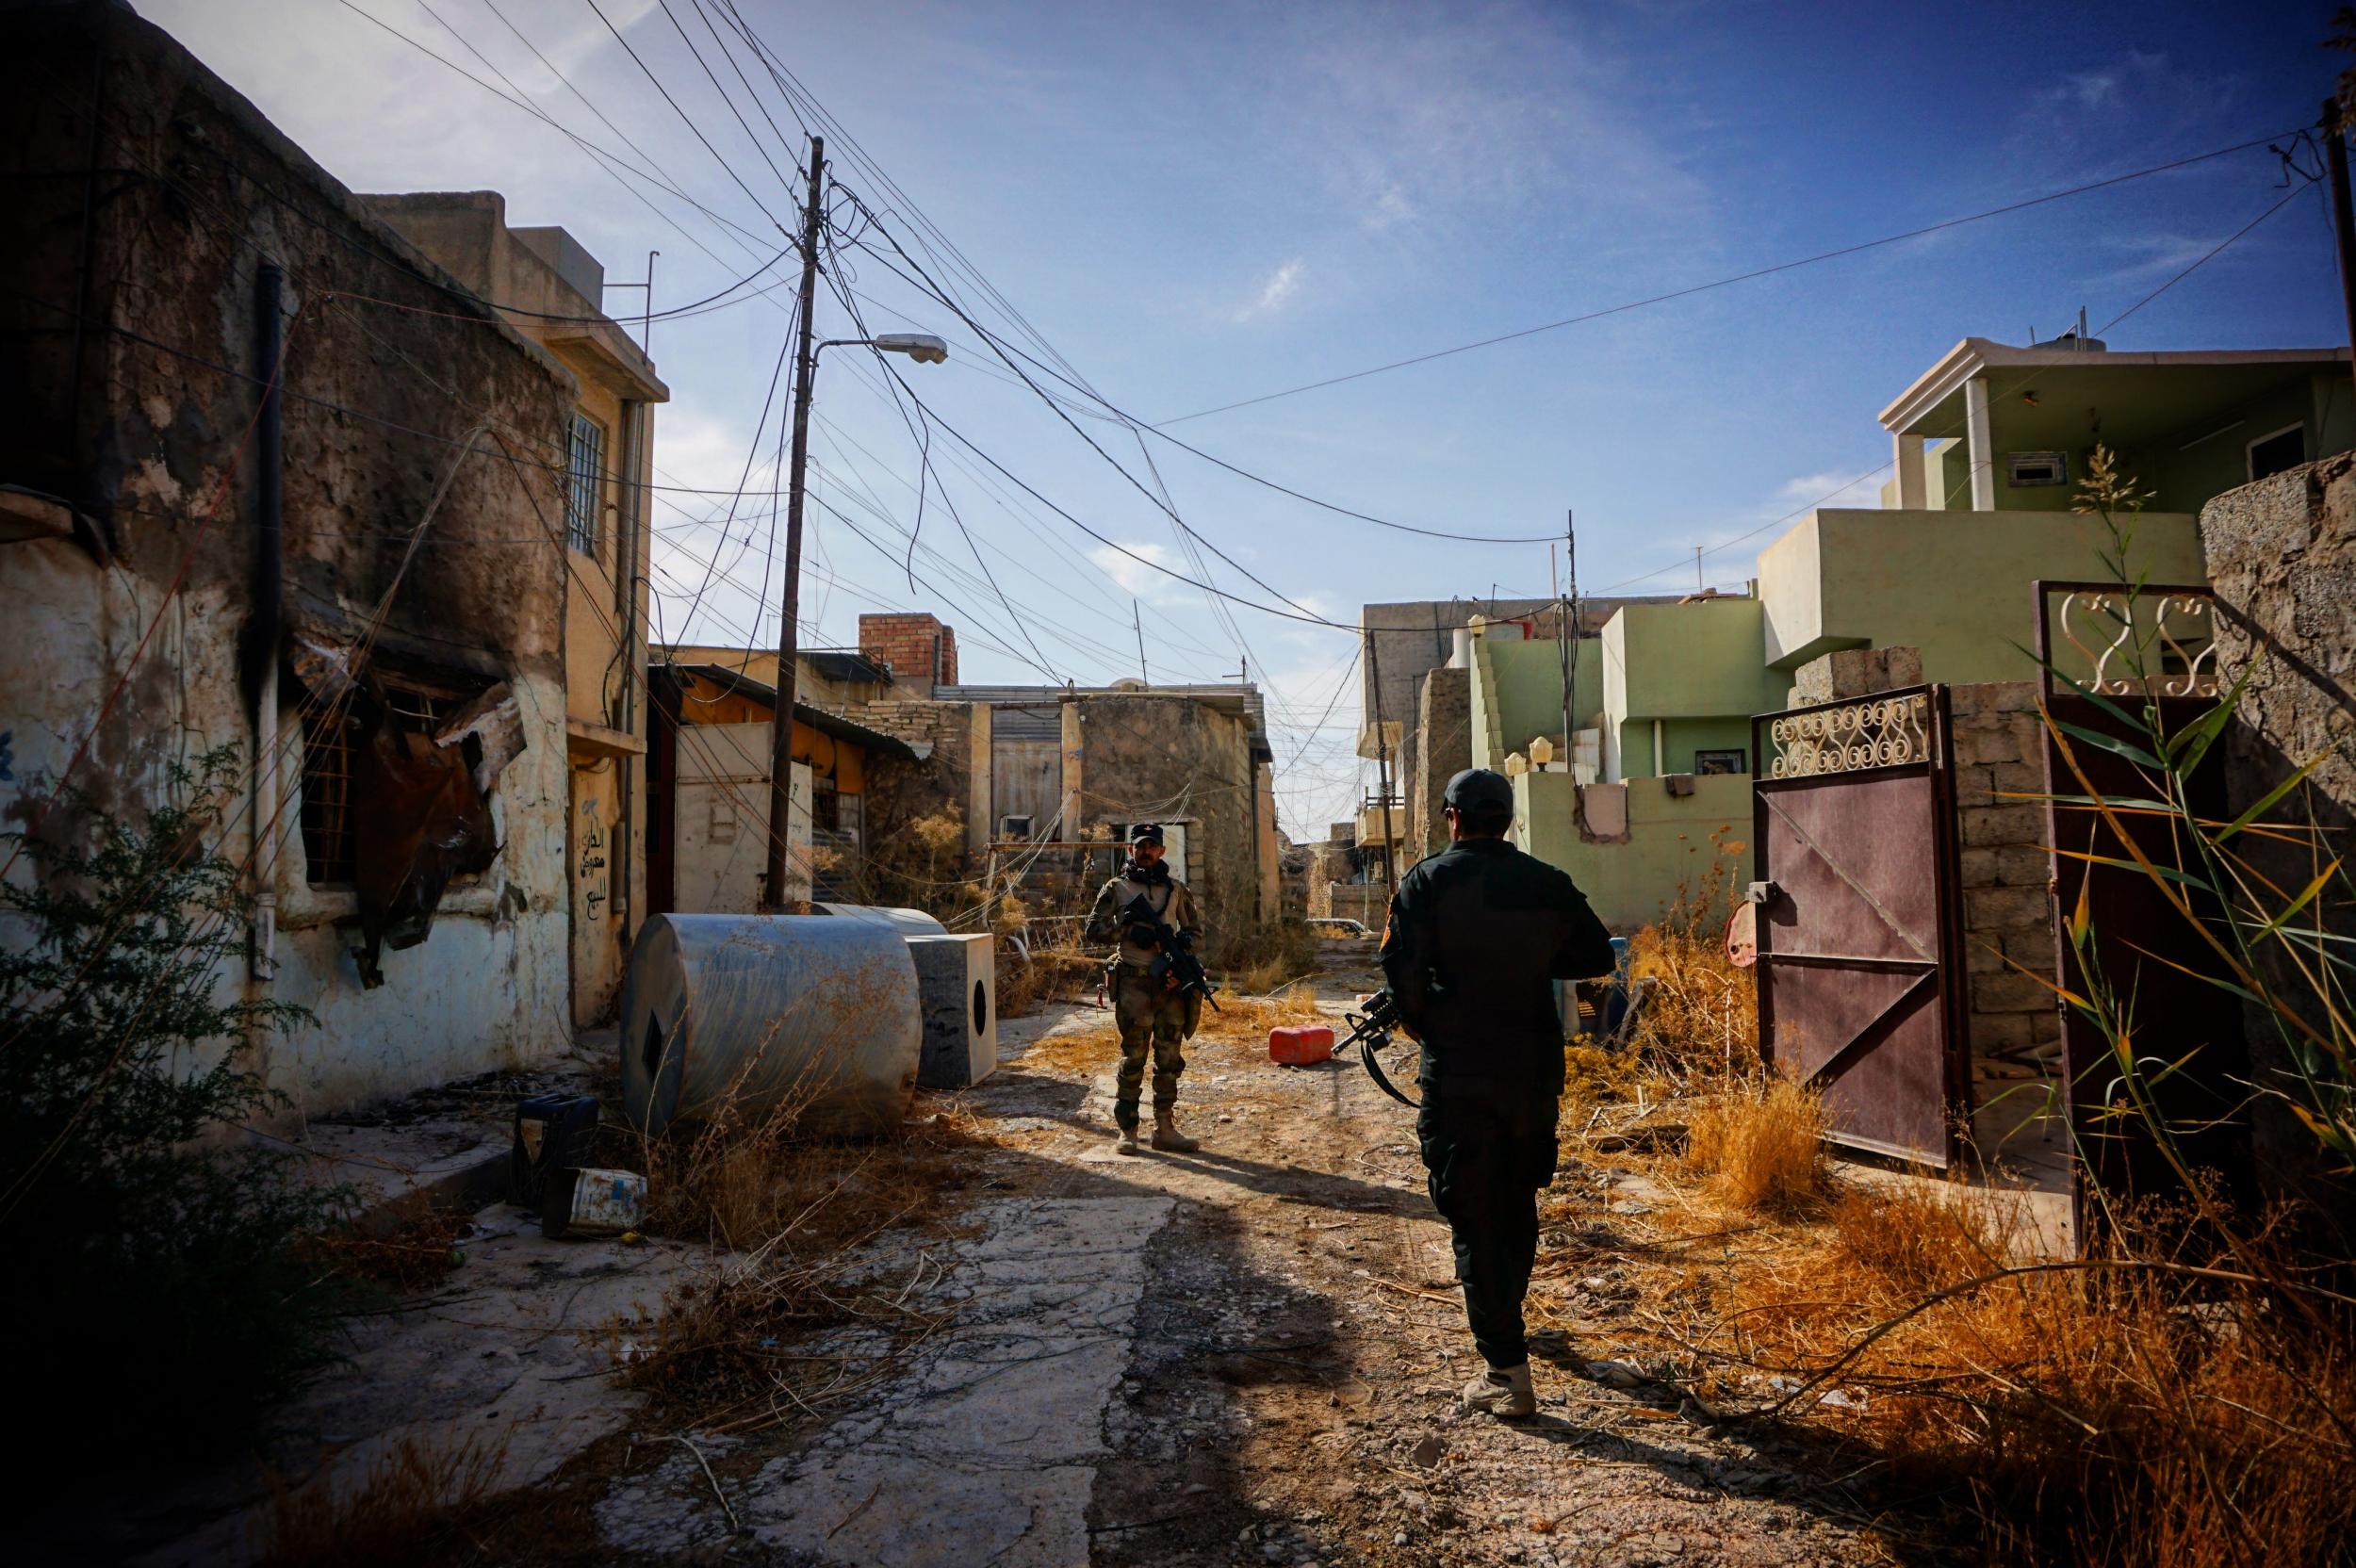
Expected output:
{"points": [[899, 792], [1444, 724], [2281, 552], [2005, 875], [910, 645]]}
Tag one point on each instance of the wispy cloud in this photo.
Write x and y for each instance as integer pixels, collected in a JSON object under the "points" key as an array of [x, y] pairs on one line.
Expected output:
{"points": [[1833, 487], [1276, 292], [1130, 570]]}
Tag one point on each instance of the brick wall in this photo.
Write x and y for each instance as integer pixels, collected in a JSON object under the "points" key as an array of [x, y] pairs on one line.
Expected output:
{"points": [[2007, 907], [909, 644]]}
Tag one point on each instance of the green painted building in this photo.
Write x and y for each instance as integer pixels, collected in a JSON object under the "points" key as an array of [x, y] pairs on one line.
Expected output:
{"points": [[1651, 794]]}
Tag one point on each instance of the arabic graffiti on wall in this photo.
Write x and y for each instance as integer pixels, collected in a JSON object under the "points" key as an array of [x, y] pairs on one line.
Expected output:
{"points": [[592, 882]]}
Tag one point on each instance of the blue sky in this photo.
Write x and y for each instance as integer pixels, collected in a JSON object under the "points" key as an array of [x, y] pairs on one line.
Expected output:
{"points": [[1197, 204]]}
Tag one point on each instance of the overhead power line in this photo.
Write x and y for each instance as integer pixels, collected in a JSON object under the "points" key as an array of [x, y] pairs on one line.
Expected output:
{"points": [[1004, 348], [1728, 282], [2211, 254]]}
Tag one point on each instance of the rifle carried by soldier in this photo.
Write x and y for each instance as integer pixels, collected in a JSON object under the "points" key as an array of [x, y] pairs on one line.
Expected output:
{"points": [[1174, 966], [1370, 1031]]}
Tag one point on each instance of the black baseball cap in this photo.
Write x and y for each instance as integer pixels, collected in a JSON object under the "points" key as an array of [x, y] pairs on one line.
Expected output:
{"points": [[1146, 833], [1479, 790]]}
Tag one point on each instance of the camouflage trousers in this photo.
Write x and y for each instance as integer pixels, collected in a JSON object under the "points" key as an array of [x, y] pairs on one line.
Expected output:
{"points": [[1150, 1019]]}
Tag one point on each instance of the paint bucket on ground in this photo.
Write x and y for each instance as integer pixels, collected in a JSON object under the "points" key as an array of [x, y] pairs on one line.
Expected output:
{"points": [[589, 1202]]}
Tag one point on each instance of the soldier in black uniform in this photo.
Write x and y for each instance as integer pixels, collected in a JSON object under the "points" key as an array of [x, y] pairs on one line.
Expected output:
{"points": [[1478, 935]]}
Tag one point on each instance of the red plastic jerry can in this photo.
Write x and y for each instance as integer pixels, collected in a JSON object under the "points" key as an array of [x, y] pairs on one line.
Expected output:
{"points": [[1297, 1045]]}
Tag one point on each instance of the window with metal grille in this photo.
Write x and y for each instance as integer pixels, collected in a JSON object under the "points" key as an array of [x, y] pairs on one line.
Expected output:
{"points": [[327, 791], [327, 824], [584, 483]]}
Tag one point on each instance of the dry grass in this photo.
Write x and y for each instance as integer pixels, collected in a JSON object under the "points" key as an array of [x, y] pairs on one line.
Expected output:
{"points": [[2103, 1414], [413, 1505], [1248, 1018], [795, 1218], [1762, 1150], [1698, 1021], [1048, 973], [2130, 1415], [408, 1254], [1595, 1076], [1265, 958]]}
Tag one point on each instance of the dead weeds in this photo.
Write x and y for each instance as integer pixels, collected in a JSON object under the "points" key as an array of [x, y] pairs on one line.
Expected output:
{"points": [[405, 1255], [413, 1503], [796, 1222], [1760, 1148], [2115, 1410]]}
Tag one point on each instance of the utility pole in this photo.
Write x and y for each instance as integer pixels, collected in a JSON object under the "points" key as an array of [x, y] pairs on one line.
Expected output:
{"points": [[2343, 224], [1697, 569], [789, 625], [1574, 633], [1136, 619], [1382, 770]]}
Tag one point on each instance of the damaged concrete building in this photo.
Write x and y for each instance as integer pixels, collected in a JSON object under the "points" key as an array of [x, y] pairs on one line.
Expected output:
{"points": [[708, 803], [280, 487], [553, 289], [1058, 765], [1023, 777]]}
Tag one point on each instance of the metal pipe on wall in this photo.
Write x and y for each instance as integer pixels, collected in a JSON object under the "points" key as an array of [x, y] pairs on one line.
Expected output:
{"points": [[267, 612], [635, 417]]}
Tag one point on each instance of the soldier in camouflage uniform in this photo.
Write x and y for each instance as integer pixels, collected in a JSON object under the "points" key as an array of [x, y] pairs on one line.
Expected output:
{"points": [[1151, 1014]]}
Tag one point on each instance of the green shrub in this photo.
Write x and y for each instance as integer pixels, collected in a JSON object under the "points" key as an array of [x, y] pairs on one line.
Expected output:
{"points": [[156, 1257]]}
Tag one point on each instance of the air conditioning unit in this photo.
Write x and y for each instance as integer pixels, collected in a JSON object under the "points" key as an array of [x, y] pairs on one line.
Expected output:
{"points": [[2027, 469]]}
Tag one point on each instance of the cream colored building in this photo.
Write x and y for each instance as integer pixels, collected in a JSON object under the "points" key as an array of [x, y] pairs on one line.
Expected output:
{"points": [[550, 291]]}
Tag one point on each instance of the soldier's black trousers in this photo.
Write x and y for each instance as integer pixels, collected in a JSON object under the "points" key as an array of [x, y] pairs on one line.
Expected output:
{"points": [[1486, 1157]]}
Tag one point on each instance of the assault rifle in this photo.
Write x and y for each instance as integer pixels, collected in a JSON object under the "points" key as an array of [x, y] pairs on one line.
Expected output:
{"points": [[1175, 960], [1370, 1032]]}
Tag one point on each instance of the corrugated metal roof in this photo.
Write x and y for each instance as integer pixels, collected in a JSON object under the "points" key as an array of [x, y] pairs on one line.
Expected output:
{"points": [[817, 718]]}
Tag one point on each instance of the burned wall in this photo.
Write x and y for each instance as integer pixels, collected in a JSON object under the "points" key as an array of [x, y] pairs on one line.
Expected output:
{"points": [[420, 503], [2281, 556]]}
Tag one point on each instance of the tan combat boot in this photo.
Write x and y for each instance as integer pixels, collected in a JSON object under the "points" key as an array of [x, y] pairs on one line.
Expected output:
{"points": [[1505, 1393], [1125, 1142], [1167, 1136]]}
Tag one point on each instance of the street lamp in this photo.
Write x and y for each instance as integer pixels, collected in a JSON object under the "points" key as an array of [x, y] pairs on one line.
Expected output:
{"points": [[924, 349], [921, 347]]}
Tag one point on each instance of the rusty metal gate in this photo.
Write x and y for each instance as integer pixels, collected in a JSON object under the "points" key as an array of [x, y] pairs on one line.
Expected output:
{"points": [[2108, 653], [1858, 916]]}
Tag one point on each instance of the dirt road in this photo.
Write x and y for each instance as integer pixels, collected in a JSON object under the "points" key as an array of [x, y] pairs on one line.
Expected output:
{"points": [[1245, 1355], [1248, 1355]]}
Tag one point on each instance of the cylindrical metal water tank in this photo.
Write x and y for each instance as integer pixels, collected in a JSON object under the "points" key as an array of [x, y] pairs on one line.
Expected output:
{"points": [[769, 1010], [908, 923]]}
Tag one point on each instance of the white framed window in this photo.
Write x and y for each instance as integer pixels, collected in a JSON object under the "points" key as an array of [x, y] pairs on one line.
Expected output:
{"points": [[584, 483], [2271, 453]]}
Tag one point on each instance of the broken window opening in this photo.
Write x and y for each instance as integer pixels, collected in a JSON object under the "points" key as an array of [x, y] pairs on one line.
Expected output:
{"points": [[328, 827]]}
